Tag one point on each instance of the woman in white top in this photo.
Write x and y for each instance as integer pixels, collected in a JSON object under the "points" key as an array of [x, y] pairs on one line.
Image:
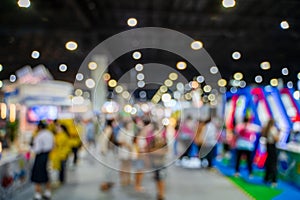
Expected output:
{"points": [[271, 133], [42, 145]]}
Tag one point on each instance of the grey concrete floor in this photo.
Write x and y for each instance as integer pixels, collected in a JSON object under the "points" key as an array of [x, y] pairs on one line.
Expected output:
{"points": [[83, 184]]}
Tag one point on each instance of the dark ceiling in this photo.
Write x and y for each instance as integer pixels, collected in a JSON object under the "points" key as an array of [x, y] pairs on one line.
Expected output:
{"points": [[251, 27]]}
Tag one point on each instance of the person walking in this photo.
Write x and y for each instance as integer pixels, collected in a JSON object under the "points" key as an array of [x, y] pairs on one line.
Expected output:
{"points": [[42, 145], [271, 133]]}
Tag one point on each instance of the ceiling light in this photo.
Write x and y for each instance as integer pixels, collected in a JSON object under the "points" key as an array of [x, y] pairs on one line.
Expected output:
{"points": [[141, 84], [92, 65], [284, 25], [207, 88], [143, 94], [290, 84], [12, 78], [63, 67], [214, 70], [298, 76], [24, 3], [1, 84], [200, 79], [243, 84], [139, 67], [79, 77], [106, 77], [1, 68], [285, 71], [132, 22], [194, 84], [168, 83], [236, 55], [265, 65], [112, 83], [163, 89], [140, 76], [196, 45], [228, 3], [211, 97], [71, 45], [78, 92], [238, 76], [233, 90], [90, 83], [125, 94], [222, 82], [173, 76], [180, 86], [35, 54], [181, 65], [128, 108], [119, 89], [274, 82], [136, 55], [258, 79]]}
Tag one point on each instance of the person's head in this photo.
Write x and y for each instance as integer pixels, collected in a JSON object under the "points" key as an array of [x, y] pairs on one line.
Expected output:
{"points": [[41, 125]]}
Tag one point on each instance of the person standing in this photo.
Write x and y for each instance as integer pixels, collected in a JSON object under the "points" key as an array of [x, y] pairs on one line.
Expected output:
{"points": [[271, 133], [246, 136], [125, 145], [209, 141], [42, 145]]}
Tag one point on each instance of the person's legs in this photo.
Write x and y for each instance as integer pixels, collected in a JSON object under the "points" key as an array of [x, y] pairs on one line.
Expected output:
{"points": [[249, 161], [62, 171], [75, 151], [160, 189], [138, 181], [238, 159], [38, 191]]}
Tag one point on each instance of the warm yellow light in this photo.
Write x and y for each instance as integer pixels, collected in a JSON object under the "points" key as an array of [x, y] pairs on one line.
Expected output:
{"points": [[92, 65], [196, 45], [3, 110], [71, 45], [106, 76], [222, 82], [207, 88], [265, 65], [168, 83], [112, 83], [173, 76], [163, 89], [12, 113], [195, 84], [274, 82], [238, 76], [181, 65]]}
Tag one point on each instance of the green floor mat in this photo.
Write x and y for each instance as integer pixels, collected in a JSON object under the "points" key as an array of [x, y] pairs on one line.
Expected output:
{"points": [[258, 192]]}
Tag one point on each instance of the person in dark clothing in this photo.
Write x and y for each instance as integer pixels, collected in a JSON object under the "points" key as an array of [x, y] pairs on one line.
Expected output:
{"points": [[271, 133]]}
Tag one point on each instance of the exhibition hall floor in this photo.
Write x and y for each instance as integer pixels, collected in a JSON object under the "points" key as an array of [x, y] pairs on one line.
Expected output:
{"points": [[84, 181]]}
